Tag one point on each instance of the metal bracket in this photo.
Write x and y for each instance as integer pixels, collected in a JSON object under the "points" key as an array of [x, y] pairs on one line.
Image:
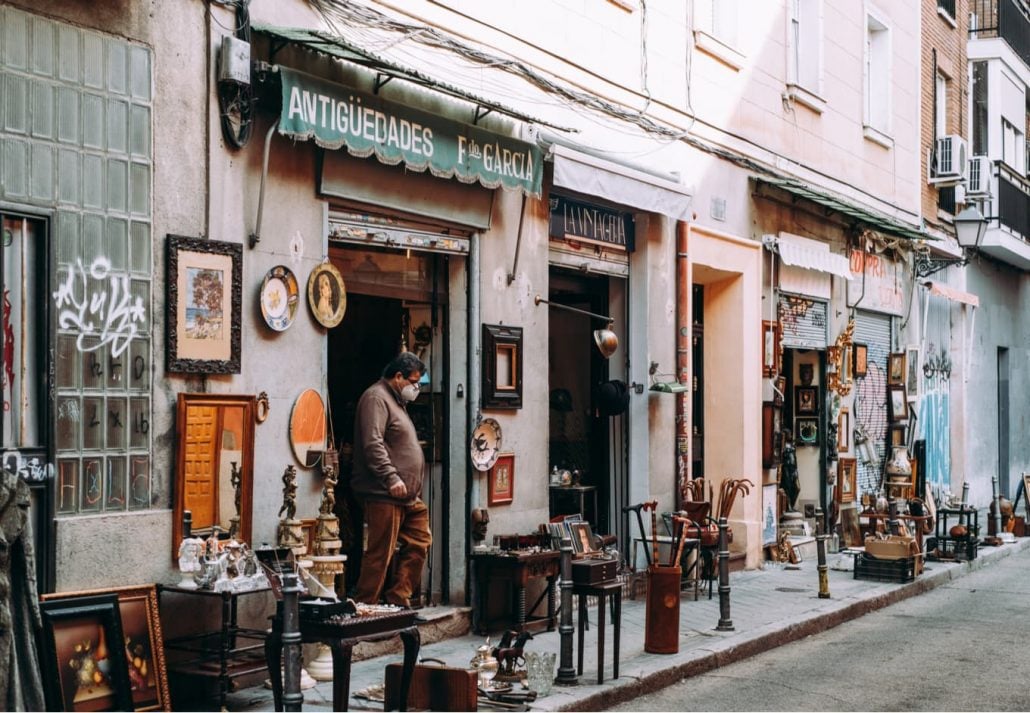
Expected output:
{"points": [[381, 81], [926, 266], [481, 111]]}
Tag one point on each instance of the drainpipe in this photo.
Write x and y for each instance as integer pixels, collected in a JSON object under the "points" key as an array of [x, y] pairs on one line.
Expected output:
{"points": [[683, 345], [255, 237], [474, 392]]}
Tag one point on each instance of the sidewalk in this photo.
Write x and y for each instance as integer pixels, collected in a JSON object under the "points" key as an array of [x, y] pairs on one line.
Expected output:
{"points": [[769, 608]]}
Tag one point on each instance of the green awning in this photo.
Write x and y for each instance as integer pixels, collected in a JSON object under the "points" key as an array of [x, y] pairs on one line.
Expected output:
{"points": [[874, 219], [344, 49]]}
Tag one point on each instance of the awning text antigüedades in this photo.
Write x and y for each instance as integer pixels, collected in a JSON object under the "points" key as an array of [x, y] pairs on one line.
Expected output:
{"points": [[337, 116]]}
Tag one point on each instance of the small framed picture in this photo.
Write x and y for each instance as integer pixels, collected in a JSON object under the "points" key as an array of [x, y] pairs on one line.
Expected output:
{"points": [[501, 482], [913, 371], [807, 430], [806, 399], [770, 348], [779, 389], [861, 357], [897, 403], [582, 537], [847, 484], [896, 368], [769, 513], [843, 431], [896, 435]]}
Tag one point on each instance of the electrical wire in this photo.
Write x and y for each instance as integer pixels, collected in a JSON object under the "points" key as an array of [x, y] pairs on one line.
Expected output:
{"points": [[235, 100]]}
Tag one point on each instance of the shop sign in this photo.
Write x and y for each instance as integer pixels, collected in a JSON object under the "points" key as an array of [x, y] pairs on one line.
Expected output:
{"points": [[878, 283], [337, 116], [574, 220]]}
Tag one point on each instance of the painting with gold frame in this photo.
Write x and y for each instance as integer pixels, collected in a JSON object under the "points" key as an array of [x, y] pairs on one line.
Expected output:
{"points": [[501, 481], [847, 480]]}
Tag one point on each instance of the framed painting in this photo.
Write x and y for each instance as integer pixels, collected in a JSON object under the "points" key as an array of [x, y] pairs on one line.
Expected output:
{"points": [[82, 659], [806, 399], [861, 358], [770, 348], [144, 643], [771, 426], [582, 537], [205, 297], [501, 481], [779, 389], [502, 366], [912, 372], [896, 435], [897, 403], [847, 480], [807, 431], [843, 431], [896, 368], [769, 513], [327, 295]]}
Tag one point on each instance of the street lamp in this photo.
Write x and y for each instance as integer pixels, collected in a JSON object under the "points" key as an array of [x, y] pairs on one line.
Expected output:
{"points": [[605, 339], [970, 226]]}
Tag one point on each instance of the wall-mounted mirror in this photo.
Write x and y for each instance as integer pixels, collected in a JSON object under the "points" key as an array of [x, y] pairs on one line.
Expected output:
{"points": [[216, 439], [307, 428]]}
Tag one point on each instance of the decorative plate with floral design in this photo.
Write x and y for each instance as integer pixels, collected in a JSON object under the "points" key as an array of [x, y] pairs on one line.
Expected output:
{"points": [[279, 297]]}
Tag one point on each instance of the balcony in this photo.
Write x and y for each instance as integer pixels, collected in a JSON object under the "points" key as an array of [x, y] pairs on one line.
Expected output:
{"points": [[1001, 18], [1008, 233]]}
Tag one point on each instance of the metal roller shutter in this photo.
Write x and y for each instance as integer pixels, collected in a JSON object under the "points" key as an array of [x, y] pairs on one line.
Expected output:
{"points": [[803, 322], [873, 330]]}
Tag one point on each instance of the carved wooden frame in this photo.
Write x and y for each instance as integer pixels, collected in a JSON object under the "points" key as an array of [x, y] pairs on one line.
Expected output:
{"points": [[497, 392], [234, 251]]}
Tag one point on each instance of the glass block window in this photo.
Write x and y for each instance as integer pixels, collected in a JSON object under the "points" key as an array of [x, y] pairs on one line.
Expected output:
{"points": [[76, 142]]}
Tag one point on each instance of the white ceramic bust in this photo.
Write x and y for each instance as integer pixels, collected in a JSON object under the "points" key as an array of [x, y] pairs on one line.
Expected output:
{"points": [[189, 560]]}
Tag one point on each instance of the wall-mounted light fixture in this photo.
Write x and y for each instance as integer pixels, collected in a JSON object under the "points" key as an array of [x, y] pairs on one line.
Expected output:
{"points": [[970, 228], [605, 338]]}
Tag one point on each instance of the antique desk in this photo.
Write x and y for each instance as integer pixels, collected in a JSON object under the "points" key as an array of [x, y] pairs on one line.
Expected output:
{"points": [[514, 570], [341, 636], [225, 654]]}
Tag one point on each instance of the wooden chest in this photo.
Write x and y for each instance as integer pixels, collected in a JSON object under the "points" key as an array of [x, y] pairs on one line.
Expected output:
{"points": [[591, 571]]}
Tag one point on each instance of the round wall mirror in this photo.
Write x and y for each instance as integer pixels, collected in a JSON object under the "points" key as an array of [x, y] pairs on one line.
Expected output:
{"points": [[307, 428]]}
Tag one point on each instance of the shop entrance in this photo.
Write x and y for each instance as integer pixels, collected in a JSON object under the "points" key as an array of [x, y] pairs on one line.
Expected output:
{"points": [[583, 438], [395, 302]]}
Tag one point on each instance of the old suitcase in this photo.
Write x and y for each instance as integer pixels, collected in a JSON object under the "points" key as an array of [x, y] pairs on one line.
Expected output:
{"points": [[433, 688], [594, 571]]}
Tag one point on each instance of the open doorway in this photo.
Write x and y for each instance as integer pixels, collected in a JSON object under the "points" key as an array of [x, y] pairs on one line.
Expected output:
{"points": [[580, 434], [394, 303]]}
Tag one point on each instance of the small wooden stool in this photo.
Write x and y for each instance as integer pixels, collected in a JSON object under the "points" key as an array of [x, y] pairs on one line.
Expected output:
{"points": [[602, 591]]}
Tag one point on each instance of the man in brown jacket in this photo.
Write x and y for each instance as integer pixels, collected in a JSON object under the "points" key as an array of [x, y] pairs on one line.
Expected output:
{"points": [[388, 472]]}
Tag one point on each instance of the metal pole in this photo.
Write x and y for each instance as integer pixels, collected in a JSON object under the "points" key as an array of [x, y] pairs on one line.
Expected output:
{"points": [[566, 671], [725, 623], [820, 544], [292, 697], [892, 514], [997, 506]]}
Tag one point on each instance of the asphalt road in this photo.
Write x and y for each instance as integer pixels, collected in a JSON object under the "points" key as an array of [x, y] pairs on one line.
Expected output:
{"points": [[961, 647]]}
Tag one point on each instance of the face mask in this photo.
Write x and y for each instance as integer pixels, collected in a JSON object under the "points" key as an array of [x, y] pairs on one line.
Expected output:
{"points": [[409, 393]]}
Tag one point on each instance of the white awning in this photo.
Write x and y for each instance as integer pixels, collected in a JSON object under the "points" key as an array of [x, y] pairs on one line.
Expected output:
{"points": [[942, 290], [794, 253], [615, 182]]}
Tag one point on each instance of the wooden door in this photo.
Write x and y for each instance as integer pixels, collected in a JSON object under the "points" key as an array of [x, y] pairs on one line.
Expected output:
{"points": [[200, 467]]}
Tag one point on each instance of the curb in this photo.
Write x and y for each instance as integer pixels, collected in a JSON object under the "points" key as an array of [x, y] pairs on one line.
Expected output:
{"points": [[771, 637]]}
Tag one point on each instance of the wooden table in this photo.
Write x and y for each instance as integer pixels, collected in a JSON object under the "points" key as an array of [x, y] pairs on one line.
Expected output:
{"points": [[515, 569], [578, 493], [341, 638], [601, 590]]}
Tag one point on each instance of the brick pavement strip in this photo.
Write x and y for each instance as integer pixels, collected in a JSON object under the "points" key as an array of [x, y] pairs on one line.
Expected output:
{"points": [[769, 608]]}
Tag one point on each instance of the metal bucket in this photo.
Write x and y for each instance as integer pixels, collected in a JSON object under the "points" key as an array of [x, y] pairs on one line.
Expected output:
{"points": [[662, 615]]}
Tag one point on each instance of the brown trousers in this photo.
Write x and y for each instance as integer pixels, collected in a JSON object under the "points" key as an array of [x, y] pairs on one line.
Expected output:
{"points": [[390, 524]]}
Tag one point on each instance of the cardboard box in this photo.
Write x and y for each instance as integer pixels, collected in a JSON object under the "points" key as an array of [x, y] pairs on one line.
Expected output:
{"points": [[892, 548]]}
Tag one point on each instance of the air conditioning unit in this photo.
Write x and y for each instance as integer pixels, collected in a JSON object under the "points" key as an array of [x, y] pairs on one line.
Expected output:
{"points": [[949, 160], [979, 183]]}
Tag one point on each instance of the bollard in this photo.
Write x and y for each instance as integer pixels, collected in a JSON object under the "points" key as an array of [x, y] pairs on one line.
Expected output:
{"points": [[566, 671], [725, 623], [820, 545], [293, 699], [997, 506]]}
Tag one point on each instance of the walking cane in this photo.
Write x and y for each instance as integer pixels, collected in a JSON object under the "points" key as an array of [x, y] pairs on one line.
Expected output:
{"points": [[653, 507], [643, 534]]}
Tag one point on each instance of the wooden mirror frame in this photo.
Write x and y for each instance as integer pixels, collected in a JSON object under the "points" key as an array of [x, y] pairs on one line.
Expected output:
{"points": [[220, 402]]}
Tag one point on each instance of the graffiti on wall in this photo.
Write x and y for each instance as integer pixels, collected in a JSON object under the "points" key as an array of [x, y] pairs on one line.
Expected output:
{"points": [[33, 469], [99, 303], [935, 414]]}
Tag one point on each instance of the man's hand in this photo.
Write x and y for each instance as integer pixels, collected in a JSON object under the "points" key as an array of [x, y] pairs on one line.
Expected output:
{"points": [[399, 490]]}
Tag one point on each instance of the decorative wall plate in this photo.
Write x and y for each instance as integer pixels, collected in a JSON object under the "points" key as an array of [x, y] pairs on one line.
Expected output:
{"points": [[327, 295], [279, 295], [486, 444], [308, 428]]}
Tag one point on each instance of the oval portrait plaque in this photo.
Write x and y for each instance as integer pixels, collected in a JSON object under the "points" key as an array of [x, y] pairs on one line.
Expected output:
{"points": [[327, 295]]}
